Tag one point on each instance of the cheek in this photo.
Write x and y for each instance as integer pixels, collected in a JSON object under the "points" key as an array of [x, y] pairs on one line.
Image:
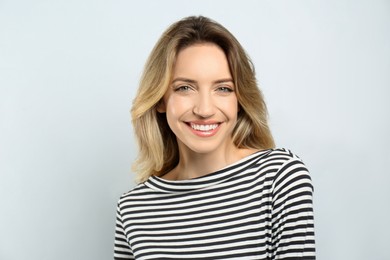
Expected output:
{"points": [[231, 106], [177, 106]]}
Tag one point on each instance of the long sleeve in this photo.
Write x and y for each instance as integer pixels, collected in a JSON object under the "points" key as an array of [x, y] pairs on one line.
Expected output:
{"points": [[292, 212], [122, 248]]}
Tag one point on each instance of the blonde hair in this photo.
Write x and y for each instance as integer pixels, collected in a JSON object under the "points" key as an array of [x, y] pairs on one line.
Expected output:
{"points": [[158, 149]]}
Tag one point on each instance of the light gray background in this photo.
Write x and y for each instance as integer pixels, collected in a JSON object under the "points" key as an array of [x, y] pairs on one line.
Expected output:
{"points": [[68, 74]]}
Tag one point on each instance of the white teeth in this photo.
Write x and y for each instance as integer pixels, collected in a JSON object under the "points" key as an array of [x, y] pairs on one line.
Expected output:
{"points": [[204, 127]]}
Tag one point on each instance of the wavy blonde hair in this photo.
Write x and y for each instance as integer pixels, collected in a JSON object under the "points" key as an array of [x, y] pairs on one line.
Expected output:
{"points": [[158, 149]]}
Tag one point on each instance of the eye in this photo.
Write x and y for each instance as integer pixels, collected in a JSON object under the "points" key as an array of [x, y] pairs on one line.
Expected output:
{"points": [[225, 89], [182, 88]]}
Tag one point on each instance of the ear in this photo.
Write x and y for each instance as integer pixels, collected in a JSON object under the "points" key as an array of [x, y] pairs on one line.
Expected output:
{"points": [[161, 108]]}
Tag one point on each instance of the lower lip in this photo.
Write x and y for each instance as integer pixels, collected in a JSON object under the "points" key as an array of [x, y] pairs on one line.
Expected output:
{"points": [[205, 133]]}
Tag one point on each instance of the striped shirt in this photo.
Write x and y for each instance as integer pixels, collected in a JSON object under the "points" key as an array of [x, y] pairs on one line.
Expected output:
{"points": [[257, 208]]}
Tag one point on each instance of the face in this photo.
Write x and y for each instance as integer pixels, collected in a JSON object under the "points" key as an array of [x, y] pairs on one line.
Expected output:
{"points": [[201, 104]]}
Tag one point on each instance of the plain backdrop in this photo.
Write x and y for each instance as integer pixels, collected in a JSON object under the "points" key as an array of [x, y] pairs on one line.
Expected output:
{"points": [[69, 71]]}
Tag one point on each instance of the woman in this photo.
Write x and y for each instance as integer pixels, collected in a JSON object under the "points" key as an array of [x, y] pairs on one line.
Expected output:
{"points": [[211, 183]]}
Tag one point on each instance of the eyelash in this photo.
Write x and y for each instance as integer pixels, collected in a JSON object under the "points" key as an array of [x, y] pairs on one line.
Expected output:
{"points": [[182, 88], [185, 88], [225, 89]]}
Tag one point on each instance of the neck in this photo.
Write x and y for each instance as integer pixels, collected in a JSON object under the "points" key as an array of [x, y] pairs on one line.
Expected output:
{"points": [[192, 165]]}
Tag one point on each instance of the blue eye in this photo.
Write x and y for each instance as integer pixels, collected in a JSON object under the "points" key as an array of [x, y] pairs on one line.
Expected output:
{"points": [[183, 88], [225, 89]]}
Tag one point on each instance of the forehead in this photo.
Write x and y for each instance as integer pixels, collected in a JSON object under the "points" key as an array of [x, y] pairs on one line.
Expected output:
{"points": [[201, 59]]}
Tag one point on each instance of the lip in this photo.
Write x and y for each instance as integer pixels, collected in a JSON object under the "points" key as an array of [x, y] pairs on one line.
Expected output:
{"points": [[204, 128]]}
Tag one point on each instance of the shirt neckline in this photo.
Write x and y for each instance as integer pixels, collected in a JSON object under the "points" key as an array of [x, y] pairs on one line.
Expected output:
{"points": [[178, 186]]}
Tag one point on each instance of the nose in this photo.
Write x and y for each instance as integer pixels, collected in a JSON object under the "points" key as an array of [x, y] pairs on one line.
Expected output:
{"points": [[204, 106]]}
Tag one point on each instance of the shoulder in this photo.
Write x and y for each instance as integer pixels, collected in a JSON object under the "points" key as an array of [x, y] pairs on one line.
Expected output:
{"points": [[287, 158], [280, 157], [133, 194], [276, 163], [276, 158], [290, 170], [282, 165], [282, 154]]}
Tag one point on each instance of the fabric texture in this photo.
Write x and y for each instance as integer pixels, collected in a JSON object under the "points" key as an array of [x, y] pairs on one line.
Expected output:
{"points": [[257, 208]]}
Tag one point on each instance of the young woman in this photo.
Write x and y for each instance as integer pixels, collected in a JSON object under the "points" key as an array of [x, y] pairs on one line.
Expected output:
{"points": [[211, 183]]}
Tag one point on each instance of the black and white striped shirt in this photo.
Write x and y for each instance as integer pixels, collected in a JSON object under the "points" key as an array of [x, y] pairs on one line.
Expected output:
{"points": [[257, 208]]}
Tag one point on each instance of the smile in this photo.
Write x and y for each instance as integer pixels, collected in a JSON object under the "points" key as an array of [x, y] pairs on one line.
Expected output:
{"points": [[203, 127]]}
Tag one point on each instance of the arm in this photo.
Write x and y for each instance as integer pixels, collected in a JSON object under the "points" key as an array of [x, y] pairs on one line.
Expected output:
{"points": [[122, 248], [292, 212]]}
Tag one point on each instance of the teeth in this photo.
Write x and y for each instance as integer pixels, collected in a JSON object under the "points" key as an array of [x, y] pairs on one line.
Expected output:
{"points": [[204, 127]]}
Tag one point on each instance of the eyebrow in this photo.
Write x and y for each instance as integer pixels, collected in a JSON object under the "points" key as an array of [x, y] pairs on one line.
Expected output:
{"points": [[194, 81]]}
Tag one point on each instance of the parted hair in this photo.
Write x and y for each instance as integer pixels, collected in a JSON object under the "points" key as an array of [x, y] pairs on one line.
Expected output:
{"points": [[158, 149]]}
